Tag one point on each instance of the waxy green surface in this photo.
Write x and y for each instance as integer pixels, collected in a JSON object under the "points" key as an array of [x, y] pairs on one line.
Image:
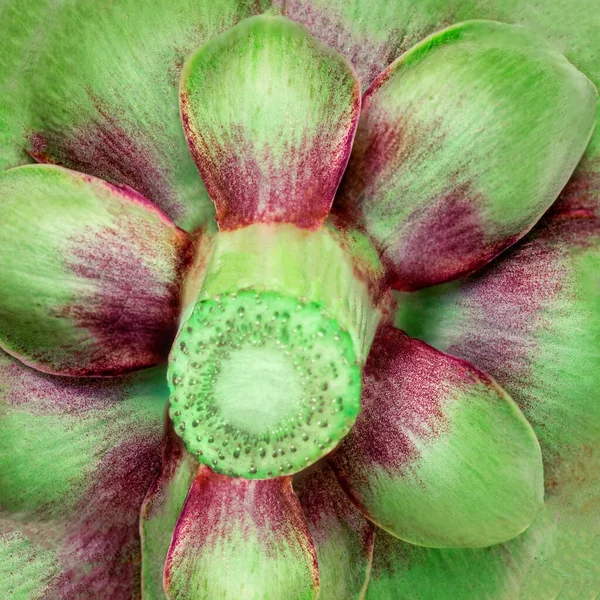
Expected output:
{"points": [[344, 538], [90, 273], [328, 267], [26, 568], [440, 455], [269, 113], [241, 539], [557, 557], [439, 131], [78, 457], [25, 26]]}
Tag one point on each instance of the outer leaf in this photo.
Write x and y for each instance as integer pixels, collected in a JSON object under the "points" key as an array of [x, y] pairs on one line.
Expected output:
{"points": [[90, 273], [531, 320], [270, 115], [104, 95], [540, 338], [237, 538], [440, 455], [160, 510], [343, 537], [436, 210], [372, 33], [77, 458], [557, 557], [25, 568]]}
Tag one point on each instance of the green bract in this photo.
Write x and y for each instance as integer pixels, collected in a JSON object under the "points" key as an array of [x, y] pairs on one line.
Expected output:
{"points": [[283, 438]]}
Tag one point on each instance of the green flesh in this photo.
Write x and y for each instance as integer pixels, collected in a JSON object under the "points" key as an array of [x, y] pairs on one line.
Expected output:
{"points": [[440, 456], [262, 384], [259, 373], [265, 373], [314, 266], [458, 495], [557, 557]]}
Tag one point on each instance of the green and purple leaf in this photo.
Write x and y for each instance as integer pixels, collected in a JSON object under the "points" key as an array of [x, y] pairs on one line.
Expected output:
{"points": [[26, 568], [161, 509], [439, 131], [557, 557], [237, 538], [269, 114], [531, 319], [91, 273], [103, 96], [540, 339], [80, 456], [440, 455], [372, 33], [343, 536]]}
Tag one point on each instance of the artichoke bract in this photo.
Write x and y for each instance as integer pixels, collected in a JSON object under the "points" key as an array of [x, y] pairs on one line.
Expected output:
{"points": [[370, 370]]}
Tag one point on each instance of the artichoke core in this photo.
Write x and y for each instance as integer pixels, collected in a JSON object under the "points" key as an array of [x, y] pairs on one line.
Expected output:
{"points": [[262, 385], [265, 373]]}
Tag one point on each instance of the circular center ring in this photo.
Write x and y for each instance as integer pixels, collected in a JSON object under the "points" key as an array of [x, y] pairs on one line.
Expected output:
{"points": [[262, 384]]}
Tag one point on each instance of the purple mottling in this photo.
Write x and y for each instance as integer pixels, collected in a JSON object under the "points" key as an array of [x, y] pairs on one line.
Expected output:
{"points": [[53, 395], [369, 56], [324, 501], [510, 299], [101, 552], [104, 149], [247, 188], [218, 506], [404, 388], [129, 309], [448, 239]]}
